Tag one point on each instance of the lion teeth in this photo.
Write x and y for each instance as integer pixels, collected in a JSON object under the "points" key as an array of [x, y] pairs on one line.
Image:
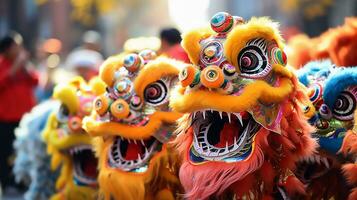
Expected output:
{"points": [[239, 118], [220, 114]]}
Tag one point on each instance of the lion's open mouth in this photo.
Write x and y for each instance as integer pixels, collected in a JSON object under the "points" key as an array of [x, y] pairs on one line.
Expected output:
{"points": [[220, 136], [132, 155], [85, 165]]}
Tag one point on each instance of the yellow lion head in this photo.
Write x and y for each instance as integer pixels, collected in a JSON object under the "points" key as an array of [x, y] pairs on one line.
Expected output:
{"points": [[69, 144], [132, 125], [243, 119]]}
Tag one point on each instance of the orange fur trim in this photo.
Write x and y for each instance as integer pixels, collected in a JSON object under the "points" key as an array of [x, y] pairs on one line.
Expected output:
{"points": [[253, 93], [350, 172], [157, 119], [108, 68], [191, 42]]}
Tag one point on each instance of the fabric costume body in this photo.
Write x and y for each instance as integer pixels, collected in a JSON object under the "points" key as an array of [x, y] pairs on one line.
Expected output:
{"points": [[32, 164], [332, 91], [68, 144], [244, 129], [132, 125]]}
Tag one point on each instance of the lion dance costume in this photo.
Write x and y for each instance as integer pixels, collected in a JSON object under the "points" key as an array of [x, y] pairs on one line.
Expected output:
{"points": [[68, 144], [333, 93], [132, 125], [31, 165], [244, 129]]}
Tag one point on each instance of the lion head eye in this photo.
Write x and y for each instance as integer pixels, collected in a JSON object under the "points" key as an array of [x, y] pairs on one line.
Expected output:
{"points": [[253, 60]]}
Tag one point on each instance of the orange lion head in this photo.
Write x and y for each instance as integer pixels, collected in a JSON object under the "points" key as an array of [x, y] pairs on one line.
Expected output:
{"points": [[132, 125], [244, 128]]}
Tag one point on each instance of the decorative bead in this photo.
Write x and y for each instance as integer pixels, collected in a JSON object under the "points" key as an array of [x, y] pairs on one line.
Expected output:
{"points": [[75, 123], [188, 76], [148, 54], [212, 77], [101, 104], [133, 62], [222, 22], [210, 51], [120, 109]]}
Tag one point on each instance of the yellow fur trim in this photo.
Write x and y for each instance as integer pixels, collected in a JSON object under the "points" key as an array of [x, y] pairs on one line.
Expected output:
{"points": [[51, 137], [133, 186], [157, 119], [253, 93], [191, 42], [67, 95], [282, 70], [108, 68], [97, 86], [154, 71], [256, 28]]}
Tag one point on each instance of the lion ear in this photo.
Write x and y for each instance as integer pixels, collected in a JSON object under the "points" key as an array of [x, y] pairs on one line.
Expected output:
{"points": [[108, 68], [66, 94], [191, 42]]}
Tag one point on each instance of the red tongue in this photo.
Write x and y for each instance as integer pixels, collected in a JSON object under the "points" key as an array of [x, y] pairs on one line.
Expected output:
{"points": [[90, 167], [133, 151], [227, 134]]}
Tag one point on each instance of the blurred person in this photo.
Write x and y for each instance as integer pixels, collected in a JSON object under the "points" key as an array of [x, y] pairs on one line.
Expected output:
{"points": [[171, 44], [17, 81], [86, 59]]}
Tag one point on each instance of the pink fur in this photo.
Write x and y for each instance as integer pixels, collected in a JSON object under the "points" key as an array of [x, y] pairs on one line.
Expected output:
{"points": [[201, 181]]}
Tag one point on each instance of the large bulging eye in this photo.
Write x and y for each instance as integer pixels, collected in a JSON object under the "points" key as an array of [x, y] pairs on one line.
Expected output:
{"points": [[102, 104], [344, 106], [120, 109], [253, 60], [63, 114], [212, 77], [156, 93]]}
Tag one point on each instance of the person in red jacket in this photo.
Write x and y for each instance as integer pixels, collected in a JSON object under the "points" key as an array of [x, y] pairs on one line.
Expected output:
{"points": [[17, 82], [170, 44]]}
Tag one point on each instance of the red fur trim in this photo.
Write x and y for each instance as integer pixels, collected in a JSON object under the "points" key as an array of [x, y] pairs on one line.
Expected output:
{"points": [[293, 186], [353, 194], [267, 197], [242, 189], [350, 172], [349, 144], [205, 179], [267, 173]]}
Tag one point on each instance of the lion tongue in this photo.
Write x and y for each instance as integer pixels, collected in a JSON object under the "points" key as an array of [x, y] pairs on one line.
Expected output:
{"points": [[227, 135], [90, 167], [133, 151]]}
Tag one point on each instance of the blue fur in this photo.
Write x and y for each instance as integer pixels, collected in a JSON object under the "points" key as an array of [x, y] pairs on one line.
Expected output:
{"points": [[32, 164], [314, 68], [337, 82]]}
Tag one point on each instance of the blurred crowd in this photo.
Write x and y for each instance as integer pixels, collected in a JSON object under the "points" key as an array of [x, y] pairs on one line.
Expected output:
{"points": [[27, 78]]}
